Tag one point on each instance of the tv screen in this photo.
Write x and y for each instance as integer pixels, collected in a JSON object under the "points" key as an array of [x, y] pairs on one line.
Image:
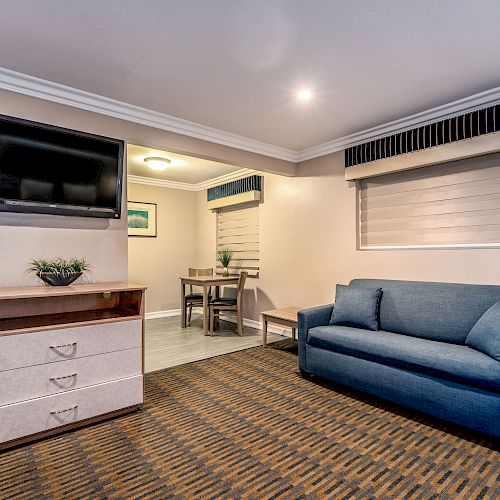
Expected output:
{"points": [[52, 170]]}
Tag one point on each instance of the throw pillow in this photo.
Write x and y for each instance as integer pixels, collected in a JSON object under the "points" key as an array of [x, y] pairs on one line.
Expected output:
{"points": [[357, 307], [485, 334]]}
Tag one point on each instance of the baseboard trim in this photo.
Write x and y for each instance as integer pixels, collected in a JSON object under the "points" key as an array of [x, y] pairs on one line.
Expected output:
{"points": [[163, 314], [271, 328]]}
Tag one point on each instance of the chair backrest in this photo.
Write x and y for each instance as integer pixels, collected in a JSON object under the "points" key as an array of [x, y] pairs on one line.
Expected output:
{"points": [[208, 271], [241, 286]]}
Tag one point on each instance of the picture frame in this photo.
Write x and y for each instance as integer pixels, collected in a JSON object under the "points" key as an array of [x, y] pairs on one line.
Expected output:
{"points": [[142, 219]]}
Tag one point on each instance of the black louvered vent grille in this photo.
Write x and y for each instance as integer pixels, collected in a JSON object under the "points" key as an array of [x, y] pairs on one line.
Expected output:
{"points": [[458, 128], [252, 183]]}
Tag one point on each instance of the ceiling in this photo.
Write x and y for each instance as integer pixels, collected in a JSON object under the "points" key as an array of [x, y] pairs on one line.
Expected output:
{"points": [[184, 169], [236, 65]]}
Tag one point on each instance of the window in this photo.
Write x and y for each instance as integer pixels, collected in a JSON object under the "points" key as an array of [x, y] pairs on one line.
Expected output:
{"points": [[238, 230], [448, 205]]}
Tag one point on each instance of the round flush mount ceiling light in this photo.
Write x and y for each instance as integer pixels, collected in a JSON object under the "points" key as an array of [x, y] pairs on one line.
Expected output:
{"points": [[157, 163], [304, 95]]}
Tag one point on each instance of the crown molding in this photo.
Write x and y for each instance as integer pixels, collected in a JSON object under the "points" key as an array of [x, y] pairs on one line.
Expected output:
{"points": [[62, 94], [43, 89], [200, 186], [149, 181], [468, 104]]}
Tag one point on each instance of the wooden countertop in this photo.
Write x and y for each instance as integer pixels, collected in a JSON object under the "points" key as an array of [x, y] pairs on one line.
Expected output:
{"points": [[28, 292]]}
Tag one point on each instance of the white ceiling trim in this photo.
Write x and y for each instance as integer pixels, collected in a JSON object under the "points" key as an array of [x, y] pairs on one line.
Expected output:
{"points": [[200, 186], [149, 181], [471, 103], [62, 94]]}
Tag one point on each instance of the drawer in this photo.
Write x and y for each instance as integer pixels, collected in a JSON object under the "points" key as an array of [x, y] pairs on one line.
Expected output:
{"points": [[52, 378], [28, 349], [38, 415]]}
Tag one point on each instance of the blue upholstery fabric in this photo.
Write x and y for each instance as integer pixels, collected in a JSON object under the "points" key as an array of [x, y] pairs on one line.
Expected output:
{"points": [[310, 318], [485, 334], [463, 405], [357, 307], [448, 361], [419, 358], [437, 311]]}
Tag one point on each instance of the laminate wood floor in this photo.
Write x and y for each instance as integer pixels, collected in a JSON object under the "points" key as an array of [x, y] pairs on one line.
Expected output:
{"points": [[167, 344]]}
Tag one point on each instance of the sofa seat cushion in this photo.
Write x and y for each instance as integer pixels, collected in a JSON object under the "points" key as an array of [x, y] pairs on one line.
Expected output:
{"points": [[439, 359]]}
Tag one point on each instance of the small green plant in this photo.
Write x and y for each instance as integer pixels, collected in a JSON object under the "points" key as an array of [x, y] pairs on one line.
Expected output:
{"points": [[59, 266], [225, 256]]}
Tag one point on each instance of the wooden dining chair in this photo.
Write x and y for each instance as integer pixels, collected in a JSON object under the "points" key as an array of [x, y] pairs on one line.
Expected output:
{"points": [[229, 306], [195, 299]]}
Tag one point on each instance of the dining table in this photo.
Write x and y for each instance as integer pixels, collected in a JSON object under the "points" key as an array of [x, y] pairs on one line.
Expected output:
{"points": [[205, 282]]}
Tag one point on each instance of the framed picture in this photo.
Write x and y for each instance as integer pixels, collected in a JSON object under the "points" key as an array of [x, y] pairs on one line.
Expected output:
{"points": [[141, 219]]}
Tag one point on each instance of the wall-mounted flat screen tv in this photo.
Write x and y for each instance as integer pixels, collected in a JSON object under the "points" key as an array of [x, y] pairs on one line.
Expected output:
{"points": [[52, 170]]}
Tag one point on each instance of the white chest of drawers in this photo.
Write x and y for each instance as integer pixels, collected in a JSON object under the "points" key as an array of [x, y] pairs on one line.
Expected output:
{"points": [[68, 356]]}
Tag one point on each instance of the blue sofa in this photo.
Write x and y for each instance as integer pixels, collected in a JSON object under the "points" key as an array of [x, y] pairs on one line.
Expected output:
{"points": [[418, 358]]}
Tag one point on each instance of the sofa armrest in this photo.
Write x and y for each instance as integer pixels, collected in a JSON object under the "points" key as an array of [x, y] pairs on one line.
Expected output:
{"points": [[309, 318]]}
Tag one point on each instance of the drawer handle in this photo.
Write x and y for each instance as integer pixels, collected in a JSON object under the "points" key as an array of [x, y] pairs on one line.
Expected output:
{"points": [[57, 412], [62, 345], [63, 377]]}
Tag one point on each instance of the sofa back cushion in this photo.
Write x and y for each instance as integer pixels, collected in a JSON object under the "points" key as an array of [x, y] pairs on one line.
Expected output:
{"points": [[438, 311]]}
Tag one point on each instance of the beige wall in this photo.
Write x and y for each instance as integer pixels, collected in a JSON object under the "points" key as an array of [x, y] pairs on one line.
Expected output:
{"points": [[102, 242], [158, 262], [308, 225], [23, 237], [308, 243]]}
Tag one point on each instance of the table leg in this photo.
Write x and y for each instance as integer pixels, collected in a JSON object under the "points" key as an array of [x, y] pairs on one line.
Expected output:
{"points": [[216, 319], [293, 333], [264, 332], [205, 309], [183, 305]]}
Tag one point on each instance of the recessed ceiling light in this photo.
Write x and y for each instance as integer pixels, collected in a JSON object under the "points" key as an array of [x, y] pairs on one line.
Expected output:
{"points": [[304, 95], [157, 163]]}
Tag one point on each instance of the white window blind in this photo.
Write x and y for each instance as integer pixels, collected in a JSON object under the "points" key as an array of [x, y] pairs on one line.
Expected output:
{"points": [[238, 230], [453, 204]]}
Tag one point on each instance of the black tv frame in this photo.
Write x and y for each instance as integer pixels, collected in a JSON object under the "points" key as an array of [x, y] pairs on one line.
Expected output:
{"points": [[33, 207]]}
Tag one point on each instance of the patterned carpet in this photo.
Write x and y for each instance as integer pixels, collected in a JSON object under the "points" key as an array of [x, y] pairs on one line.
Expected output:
{"points": [[245, 425]]}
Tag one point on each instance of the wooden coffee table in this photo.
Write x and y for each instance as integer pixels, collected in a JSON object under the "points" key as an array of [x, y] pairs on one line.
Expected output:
{"points": [[285, 317]]}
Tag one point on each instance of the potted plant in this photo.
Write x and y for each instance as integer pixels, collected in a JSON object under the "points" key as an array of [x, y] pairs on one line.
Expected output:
{"points": [[225, 256], [58, 272]]}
